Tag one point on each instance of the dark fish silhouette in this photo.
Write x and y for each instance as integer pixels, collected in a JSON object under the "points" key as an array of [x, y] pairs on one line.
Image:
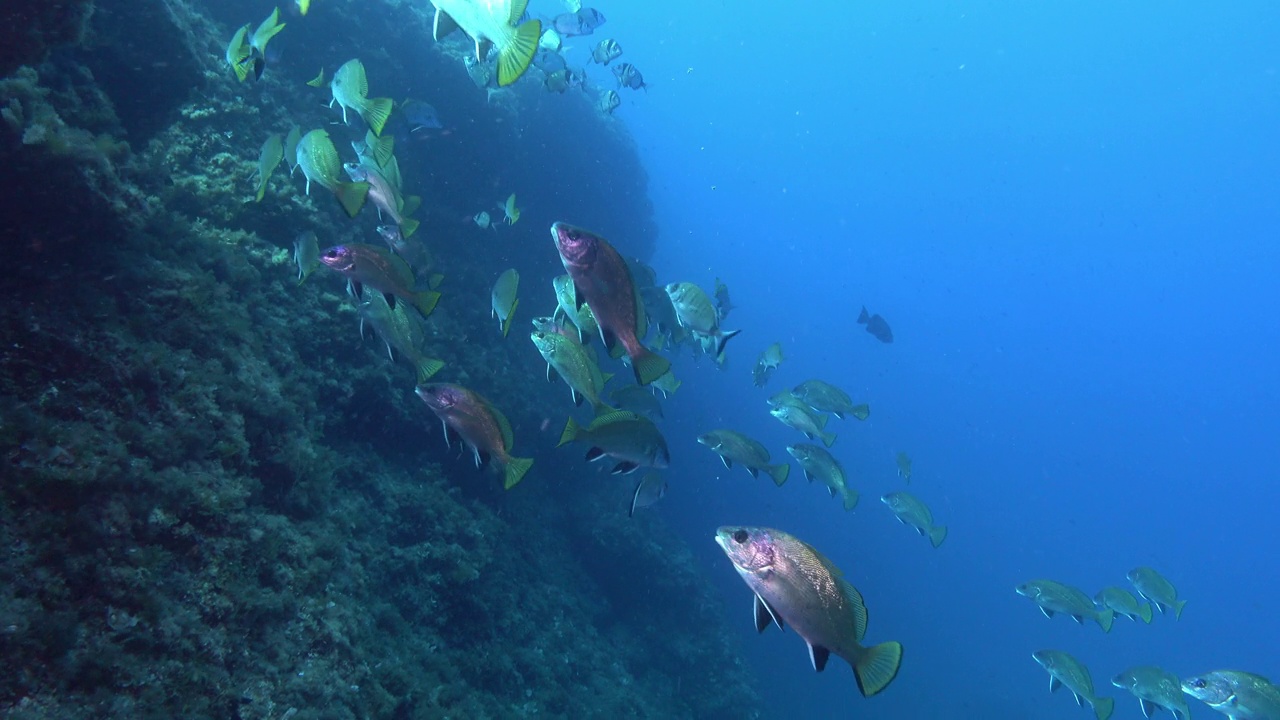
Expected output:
{"points": [[876, 326]]}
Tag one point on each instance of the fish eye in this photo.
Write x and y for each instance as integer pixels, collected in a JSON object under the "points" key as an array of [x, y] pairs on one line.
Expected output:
{"points": [[740, 536], [1198, 683]]}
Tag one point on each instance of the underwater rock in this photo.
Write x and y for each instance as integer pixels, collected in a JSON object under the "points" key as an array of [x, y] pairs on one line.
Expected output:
{"points": [[30, 28]]}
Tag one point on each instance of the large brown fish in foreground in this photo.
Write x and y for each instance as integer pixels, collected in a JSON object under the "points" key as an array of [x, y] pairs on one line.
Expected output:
{"points": [[483, 428], [602, 279], [794, 584]]}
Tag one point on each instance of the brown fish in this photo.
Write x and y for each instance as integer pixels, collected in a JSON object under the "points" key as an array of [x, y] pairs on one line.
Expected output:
{"points": [[384, 271], [603, 280], [482, 427]]}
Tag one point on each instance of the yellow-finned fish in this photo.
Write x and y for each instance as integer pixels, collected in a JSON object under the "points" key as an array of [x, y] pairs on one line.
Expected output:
{"points": [[318, 159], [503, 299], [492, 22], [318, 80], [1065, 670], [350, 88], [269, 157], [795, 585], [303, 6], [238, 54], [510, 212]]}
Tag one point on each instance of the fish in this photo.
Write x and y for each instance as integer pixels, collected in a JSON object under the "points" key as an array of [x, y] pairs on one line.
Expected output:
{"points": [[606, 51], [825, 397], [291, 148], [1153, 586], [1155, 688], [478, 71], [904, 466], [239, 54], [318, 159], [483, 221], [783, 397], [413, 252], [876, 325], [503, 299], [303, 6], [550, 41], [667, 384], [695, 312], [628, 76], [819, 464], [567, 306], [661, 314], [602, 279], [800, 418], [733, 446], [552, 325], [350, 88], [480, 425], [384, 193], [306, 253], [571, 361], [318, 80], [493, 23], [768, 361], [609, 101], [638, 399], [268, 158], [401, 330], [268, 29], [1236, 694], [723, 304], [649, 490], [1055, 597], [1124, 603], [911, 510], [557, 81], [384, 271], [510, 212], [419, 115], [796, 585], [582, 22], [1065, 670], [632, 440]]}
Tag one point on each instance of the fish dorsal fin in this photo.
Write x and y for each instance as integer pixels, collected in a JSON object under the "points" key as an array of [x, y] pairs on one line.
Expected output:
{"points": [[858, 606], [818, 656], [504, 427], [612, 417], [764, 615], [443, 25]]}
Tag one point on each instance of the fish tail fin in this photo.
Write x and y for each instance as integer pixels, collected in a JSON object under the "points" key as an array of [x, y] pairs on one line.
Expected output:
{"points": [[1105, 618], [426, 301], [722, 339], [828, 439], [570, 432], [515, 56], [877, 666], [779, 473], [318, 80], [1103, 707], [428, 367], [850, 499], [506, 324], [304, 6], [649, 366], [265, 34], [1177, 608], [408, 227], [352, 196], [1144, 612], [864, 318], [862, 412], [262, 189], [515, 470], [376, 111], [937, 534]]}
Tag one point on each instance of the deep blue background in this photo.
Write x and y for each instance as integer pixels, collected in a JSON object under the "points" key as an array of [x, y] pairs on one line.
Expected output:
{"points": [[1069, 216]]}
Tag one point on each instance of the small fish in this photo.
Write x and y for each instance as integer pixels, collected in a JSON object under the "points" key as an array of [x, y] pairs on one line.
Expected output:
{"points": [[911, 510], [557, 81], [420, 116], [695, 311], [609, 101], [303, 6], [482, 427], [384, 271], [649, 490], [400, 329], [825, 397], [904, 466], [796, 585], [602, 279], [350, 88], [768, 361], [632, 440], [567, 306], [818, 463], [606, 51], [492, 24], [582, 22], [240, 53], [1066, 670], [639, 400], [667, 384], [1152, 586], [306, 253], [876, 326], [733, 446], [318, 159], [1238, 695], [510, 212], [1054, 597], [478, 71], [384, 191], [483, 221], [571, 361], [1124, 603], [268, 158], [291, 148], [318, 80], [503, 299], [550, 41], [268, 29], [723, 304], [629, 76], [783, 397], [800, 418], [1155, 688]]}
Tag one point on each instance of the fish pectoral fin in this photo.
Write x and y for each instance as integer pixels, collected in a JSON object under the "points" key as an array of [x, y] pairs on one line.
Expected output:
{"points": [[1047, 612], [1148, 708], [831, 490], [1054, 683], [391, 299], [1079, 700], [755, 472], [549, 378], [577, 397], [443, 25], [624, 468], [728, 464], [1079, 620], [594, 454], [764, 615], [818, 656]]}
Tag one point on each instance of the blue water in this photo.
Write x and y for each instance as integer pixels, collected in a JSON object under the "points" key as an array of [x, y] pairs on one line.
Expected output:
{"points": [[1069, 217]]}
